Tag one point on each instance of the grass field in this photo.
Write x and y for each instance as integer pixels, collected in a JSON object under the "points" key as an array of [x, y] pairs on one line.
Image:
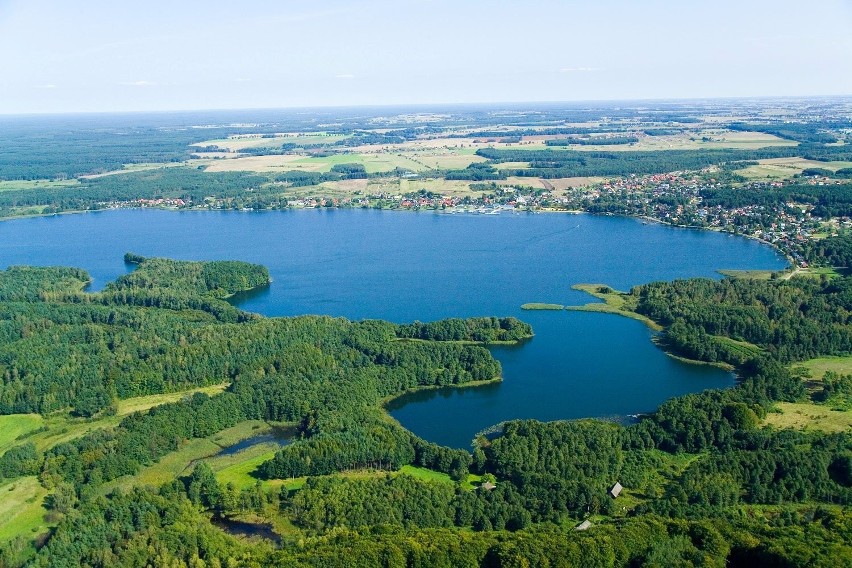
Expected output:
{"points": [[614, 302], [46, 432], [809, 416], [21, 508], [240, 142], [744, 349], [140, 403], [822, 271], [785, 168], [542, 306], [16, 185], [244, 464], [346, 189], [17, 425], [819, 366], [239, 468], [748, 274], [373, 163], [702, 139], [180, 462]]}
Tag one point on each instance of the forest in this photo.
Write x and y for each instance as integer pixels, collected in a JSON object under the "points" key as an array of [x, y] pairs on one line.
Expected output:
{"points": [[550, 163], [166, 326]]}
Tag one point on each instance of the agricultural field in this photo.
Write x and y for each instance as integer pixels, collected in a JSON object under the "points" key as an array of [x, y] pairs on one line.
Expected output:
{"points": [[239, 142], [373, 163], [17, 185], [786, 168]]}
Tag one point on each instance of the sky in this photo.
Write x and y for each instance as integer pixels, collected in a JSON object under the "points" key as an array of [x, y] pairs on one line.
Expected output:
{"points": [[113, 56]]}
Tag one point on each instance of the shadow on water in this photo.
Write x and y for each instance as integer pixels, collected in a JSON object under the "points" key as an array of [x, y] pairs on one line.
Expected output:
{"points": [[260, 293], [425, 395]]}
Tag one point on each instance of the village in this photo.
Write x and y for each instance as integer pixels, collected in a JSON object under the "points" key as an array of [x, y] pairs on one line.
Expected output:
{"points": [[673, 198], [676, 199]]}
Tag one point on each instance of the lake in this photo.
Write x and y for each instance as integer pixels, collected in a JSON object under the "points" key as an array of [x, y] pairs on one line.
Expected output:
{"points": [[405, 266]]}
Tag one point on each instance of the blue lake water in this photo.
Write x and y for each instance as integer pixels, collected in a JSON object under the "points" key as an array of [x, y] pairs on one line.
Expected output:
{"points": [[425, 266]]}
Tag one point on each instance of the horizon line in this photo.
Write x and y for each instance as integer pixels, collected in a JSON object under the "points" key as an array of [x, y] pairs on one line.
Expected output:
{"points": [[425, 105]]}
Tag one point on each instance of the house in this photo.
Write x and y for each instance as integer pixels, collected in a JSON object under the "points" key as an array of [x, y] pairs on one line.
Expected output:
{"points": [[616, 490], [488, 486], [583, 526]]}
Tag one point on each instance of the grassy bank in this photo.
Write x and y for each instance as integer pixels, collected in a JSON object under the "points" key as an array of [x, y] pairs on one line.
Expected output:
{"points": [[541, 306], [614, 302]]}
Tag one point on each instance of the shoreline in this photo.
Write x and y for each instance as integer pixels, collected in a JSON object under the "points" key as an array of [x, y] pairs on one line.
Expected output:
{"points": [[384, 402], [608, 307]]}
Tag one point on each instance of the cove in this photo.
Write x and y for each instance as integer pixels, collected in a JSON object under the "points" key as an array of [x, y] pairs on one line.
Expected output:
{"points": [[404, 266]]}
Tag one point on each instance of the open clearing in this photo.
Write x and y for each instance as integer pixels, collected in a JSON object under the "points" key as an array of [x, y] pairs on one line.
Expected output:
{"points": [[181, 462], [819, 366], [786, 168], [21, 508], [14, 426], [18, 185], [373, 163], [46, 432], [809, 416], [242, 141], [748, 274], [140, 403]]}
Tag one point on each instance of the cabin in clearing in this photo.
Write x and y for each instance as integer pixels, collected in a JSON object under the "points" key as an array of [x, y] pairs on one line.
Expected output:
{"points": [[616, 490]]}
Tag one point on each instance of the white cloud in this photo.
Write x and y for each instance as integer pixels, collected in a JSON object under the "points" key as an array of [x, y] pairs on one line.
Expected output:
{"points": [[138, 83], [345, 76], [47, 86]]}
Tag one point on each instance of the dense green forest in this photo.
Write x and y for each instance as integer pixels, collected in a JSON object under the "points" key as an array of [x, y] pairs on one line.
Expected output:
{"points": [[551, 163], [165, 326]]}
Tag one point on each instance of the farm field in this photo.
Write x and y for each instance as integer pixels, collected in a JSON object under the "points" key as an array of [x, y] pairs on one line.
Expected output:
{"points": [[785, 168], [17, 185], [239, 142], [373, 163]]}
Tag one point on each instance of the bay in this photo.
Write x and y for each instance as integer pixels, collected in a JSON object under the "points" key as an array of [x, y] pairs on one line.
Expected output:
{"points": [[405, 266]]}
